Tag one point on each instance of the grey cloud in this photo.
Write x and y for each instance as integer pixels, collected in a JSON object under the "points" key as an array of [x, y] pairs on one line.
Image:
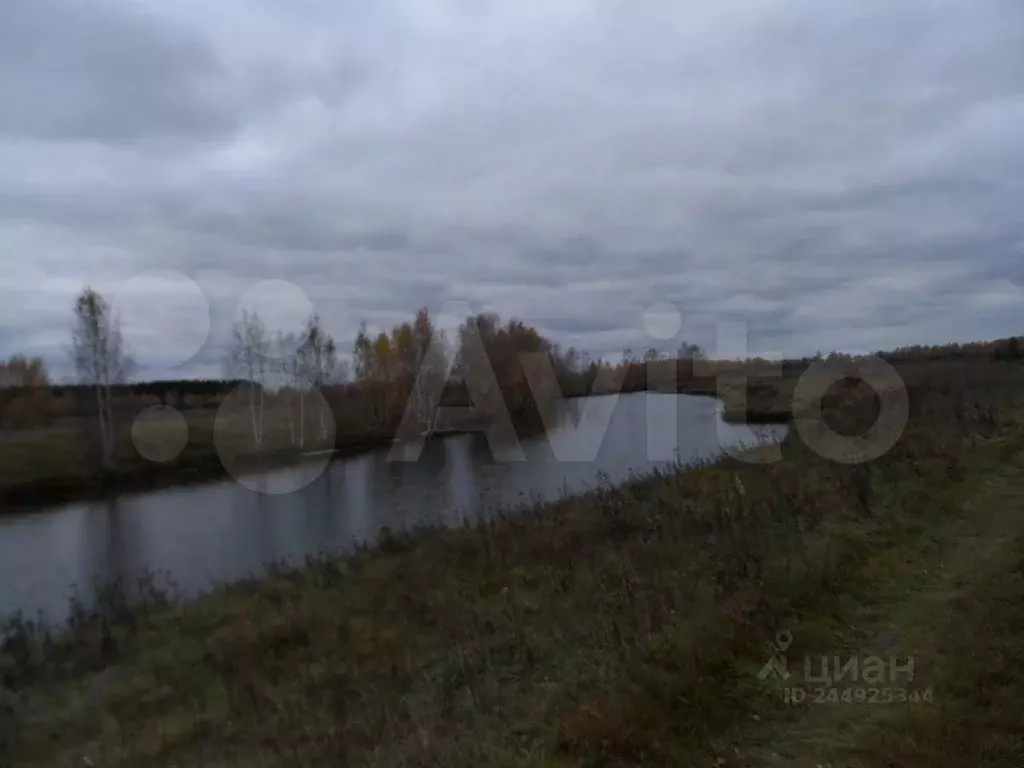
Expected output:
{"points": [[117, 72], [578, 325], [796, 166], [104, 71]]}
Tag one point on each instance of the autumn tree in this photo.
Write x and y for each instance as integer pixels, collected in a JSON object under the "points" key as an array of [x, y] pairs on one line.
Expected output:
{"points": [[410, 366], [367, 369], [375, 367], [506, 347], [422, 354], [383, 375], [97, 351], [485, 327], [573, 360], [26, 397], [404, 369], [689, 351], [1011, 350], [21, 371], [473, 370]]}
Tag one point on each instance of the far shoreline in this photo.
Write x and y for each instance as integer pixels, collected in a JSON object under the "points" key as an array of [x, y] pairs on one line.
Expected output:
{"points": [[42, 495]]}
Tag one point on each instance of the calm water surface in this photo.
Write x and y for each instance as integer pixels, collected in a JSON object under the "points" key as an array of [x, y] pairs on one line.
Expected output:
{"points": [[198, 536]]}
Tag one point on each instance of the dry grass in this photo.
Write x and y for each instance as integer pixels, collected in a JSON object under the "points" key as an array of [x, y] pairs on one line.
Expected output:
{"points": [[43, 467]]}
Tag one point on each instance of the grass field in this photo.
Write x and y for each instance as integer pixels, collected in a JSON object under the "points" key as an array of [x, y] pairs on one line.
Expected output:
{"points": [[625, 627], [42, 467]]}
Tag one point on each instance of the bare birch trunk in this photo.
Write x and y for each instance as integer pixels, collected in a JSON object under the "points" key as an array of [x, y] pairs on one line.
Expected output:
{"points": [[109, 453], [291, 418], [261, 416], [252, 414], [101, 416]]}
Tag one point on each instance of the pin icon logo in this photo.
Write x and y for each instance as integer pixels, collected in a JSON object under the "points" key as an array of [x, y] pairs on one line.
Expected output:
{"points": [[777, 663]]}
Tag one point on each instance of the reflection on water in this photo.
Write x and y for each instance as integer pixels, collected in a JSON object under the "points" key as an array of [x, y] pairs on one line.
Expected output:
{"points": [[202, 535]]}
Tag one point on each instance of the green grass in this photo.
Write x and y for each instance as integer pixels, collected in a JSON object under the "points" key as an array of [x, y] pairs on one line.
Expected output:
{"points": [[620, 628]]}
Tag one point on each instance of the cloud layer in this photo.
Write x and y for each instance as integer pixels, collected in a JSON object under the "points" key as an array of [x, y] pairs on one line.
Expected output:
{"points": [[834, 175]]}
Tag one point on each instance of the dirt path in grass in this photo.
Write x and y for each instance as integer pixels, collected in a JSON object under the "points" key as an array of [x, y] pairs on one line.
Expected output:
{"points": [[916, 594]]}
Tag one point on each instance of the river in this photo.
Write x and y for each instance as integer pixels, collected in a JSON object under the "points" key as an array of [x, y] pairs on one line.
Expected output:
{"points": [[200, 535]]}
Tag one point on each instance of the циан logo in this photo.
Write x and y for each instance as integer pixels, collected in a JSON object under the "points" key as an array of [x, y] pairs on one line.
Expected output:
{"points": [[776, 665]]}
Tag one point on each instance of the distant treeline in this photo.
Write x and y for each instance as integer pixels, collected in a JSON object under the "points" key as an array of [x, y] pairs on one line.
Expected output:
{"points": [[171, 390], [26, 393], [166, 390], [38, 403], [1000, 349]]}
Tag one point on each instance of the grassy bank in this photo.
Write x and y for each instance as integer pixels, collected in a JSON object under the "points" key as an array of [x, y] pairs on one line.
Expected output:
{"points": [[625, 627], [45, 467]]}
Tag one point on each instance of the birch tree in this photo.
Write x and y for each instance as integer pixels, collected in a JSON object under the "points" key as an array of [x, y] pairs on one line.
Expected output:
{"points": [[430, 367], [316, 362], [248, 358], [366, 369], [98, 353], [383, 375], [286, 366]]}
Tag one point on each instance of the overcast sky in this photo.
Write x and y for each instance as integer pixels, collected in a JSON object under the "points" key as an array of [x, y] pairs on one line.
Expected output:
{"points": [[834, 175]]}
